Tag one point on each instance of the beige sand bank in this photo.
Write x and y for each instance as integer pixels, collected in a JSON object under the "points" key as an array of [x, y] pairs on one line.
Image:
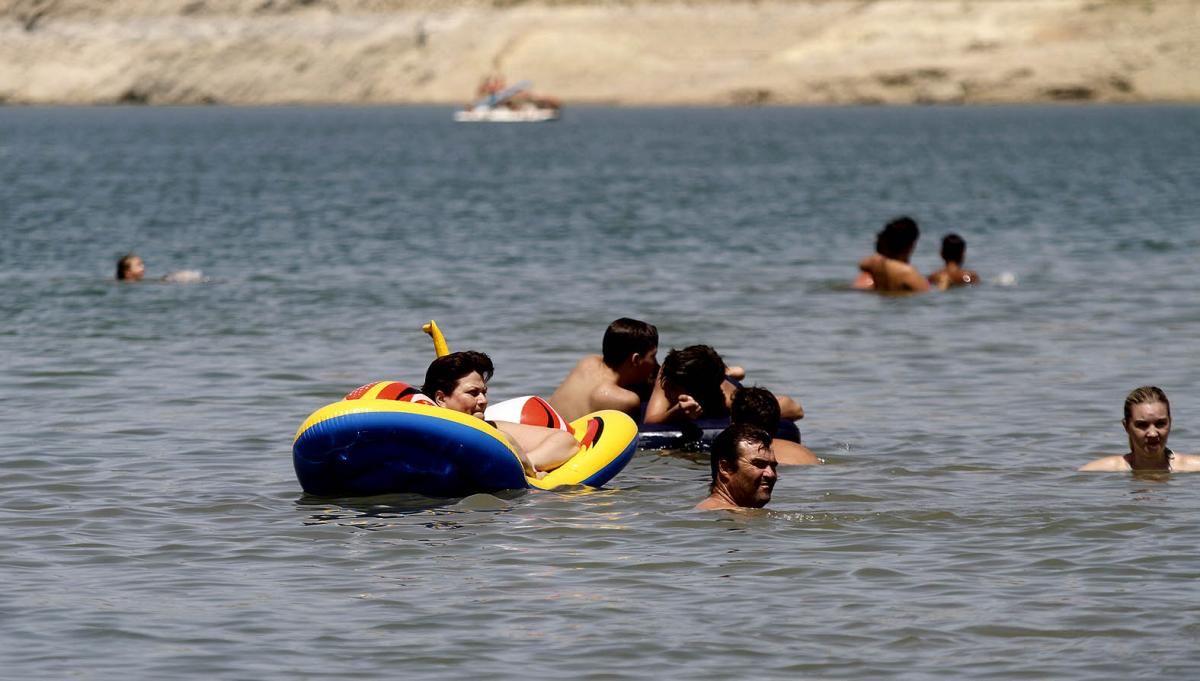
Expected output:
{"points": [[647, 52]]}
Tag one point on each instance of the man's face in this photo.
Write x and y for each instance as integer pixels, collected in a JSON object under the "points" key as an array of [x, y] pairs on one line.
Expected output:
{"points": [[1148, 426], [469, 396], [751, 482], [648, 364], [136, 269]]}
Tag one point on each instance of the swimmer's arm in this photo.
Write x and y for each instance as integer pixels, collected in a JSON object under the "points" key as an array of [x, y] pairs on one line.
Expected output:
{"points": [[658, 407], [793, 454], [525, 462], [789, 408], [736, 373], [544, 449], [940, 280], [1186, 463], [660, 410], [1106, 463], [911, 279], [618, 398], [869, 263]]}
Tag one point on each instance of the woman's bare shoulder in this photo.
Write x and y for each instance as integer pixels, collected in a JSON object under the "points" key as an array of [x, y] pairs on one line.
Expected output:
{"points": [[1107, 463]]}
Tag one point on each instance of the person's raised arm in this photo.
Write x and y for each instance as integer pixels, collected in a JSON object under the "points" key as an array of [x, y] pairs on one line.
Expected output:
{"points": [[660, 409], [789, 408]]}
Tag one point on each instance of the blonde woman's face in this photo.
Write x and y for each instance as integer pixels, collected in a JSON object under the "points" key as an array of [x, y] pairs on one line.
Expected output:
{"points": [[1148, 426]]}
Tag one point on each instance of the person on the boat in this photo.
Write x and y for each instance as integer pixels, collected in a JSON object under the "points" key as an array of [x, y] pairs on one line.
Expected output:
{"points": [[459, 380], [759, 407], [490, 85], [1147, 423], [743, 468], [694, 383], [621, 378], [954, 250], [888, 270]]}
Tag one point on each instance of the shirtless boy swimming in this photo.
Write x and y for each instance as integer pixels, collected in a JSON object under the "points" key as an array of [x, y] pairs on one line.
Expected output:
{"points": [[888, 270], [954, 251], [620, 378]]}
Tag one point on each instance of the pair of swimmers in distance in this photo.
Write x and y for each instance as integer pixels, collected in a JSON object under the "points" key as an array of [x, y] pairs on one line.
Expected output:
{"points": [[887, 270], [131, 267]]}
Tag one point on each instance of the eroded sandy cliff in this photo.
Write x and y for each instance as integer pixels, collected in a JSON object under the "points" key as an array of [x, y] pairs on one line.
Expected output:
{"points": [[648, 52]]}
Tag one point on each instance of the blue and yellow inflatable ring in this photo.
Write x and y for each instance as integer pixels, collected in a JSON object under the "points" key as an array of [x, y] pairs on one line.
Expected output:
{"points": [[369, 445]]}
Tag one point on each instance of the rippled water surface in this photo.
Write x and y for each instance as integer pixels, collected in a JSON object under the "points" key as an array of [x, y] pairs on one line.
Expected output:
{"points": [[153, 526]]}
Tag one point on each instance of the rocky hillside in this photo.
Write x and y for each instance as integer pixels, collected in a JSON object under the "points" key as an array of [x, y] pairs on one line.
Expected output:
{"points": [[628, 52]]}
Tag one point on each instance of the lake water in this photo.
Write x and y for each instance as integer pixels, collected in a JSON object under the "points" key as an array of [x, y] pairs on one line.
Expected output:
{"points": [[154, 528]]}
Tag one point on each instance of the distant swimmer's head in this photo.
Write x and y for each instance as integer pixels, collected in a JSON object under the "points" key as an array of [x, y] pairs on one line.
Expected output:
{"points": [[130, 268], [743, 465], [459, 380], [699, 371], [898, 238], [954, 248], [631, 340], [1147, 420], [757, 407]]}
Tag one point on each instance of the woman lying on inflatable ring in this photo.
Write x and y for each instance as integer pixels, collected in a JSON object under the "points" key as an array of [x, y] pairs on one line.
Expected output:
{"points": [[458, 381]]}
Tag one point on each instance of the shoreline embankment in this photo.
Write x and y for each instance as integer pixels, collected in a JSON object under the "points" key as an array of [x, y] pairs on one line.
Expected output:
{"points": [[647, 53]]}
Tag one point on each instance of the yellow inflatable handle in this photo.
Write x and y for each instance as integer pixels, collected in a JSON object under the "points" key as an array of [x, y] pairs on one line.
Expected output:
{"points": [[439, 341]]}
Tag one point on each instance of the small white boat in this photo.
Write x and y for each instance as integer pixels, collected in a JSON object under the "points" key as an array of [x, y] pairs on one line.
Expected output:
{"points": [[502, 114], [506, 107]]}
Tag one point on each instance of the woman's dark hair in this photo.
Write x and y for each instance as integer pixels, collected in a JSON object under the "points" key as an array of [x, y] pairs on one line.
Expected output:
{"points": [[446, 371], [699, 371]]}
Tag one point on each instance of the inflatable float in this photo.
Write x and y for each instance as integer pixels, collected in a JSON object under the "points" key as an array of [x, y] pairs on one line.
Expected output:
{"points": [[535, 411], [698, 434], [387, 438]]}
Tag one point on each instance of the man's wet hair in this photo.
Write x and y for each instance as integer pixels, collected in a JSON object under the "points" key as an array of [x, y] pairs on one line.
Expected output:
{"points": [[897, 237], [698, 371], [953, 247], [757, 407], [725, 446], [1147, 394], [446, 371], [625, 337]]}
